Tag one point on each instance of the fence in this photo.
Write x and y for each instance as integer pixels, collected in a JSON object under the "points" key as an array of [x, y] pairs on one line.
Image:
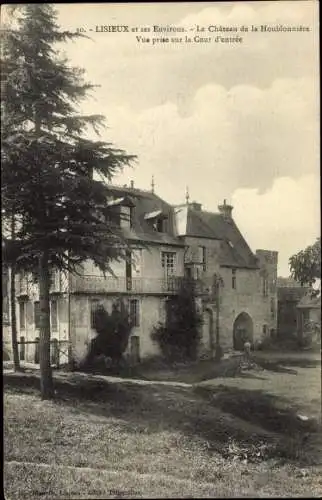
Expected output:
{"points": [[59, 351]]}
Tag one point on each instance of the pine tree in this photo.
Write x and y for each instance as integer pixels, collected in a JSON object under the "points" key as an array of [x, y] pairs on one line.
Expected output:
{"points": [[48, 162]]}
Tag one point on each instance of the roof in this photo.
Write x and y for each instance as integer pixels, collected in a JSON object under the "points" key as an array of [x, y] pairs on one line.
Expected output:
{"points": [[290, 294], [185, 220], [153, 215], [235, 251], [309, 302], [146, 202], [288, 282]]}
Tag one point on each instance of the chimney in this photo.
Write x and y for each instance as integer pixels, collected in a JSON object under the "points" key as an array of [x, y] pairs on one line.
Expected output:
{"points": [[196, 206], [225, 210], [132, 184]]}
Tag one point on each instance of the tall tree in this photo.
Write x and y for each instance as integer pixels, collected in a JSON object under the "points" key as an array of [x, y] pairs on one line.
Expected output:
{"points": [[305, 266], [8, 262], [48, 162]]}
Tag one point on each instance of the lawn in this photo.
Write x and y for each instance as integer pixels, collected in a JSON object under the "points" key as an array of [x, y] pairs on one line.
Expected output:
{"points": [[112, 440]]}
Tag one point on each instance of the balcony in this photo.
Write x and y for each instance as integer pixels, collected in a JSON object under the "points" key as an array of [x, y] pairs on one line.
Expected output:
{"points": [[96, 284], [23, 286]]}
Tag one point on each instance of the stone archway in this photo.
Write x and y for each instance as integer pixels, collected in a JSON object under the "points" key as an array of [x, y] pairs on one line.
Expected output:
{"points": [[242, 331]]}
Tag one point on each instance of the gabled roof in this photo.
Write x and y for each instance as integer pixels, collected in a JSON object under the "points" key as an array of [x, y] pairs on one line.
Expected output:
{"points": [[234, 251]]}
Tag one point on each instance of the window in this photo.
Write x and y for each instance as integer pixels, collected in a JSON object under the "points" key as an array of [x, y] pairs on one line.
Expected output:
{"points": [[54, 315], [125, 217], [54, 277], [202, 257], [22, 315], [265, 329], [233, 279], [272, 309], [134, 312], [159, 225], [5, 295], [305, 316], [168, 260], [94, 306], [37, 314], [22, 350], [23, 284], [265, 286]]}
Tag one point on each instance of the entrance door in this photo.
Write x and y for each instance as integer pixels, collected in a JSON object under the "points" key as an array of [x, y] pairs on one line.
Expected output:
{"points": [[242, 331], [135, 348]]}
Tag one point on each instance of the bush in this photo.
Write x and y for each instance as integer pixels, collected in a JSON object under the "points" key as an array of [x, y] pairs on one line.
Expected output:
{"points": [[179, 338], [113, 332]]}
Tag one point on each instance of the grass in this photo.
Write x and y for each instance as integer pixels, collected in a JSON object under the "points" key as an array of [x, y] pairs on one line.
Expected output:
{"points": [[114, 440]]}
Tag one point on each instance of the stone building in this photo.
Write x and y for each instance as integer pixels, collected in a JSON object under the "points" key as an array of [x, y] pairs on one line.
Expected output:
{"points": [[289, 294], [167, 244]]}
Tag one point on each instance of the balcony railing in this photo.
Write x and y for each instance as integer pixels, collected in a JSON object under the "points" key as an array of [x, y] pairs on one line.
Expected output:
{"points": [[110, 284], [23, 286]]}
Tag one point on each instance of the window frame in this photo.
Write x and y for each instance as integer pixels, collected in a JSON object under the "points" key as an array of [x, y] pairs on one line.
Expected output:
{"points": [[265, 286], [165, 261], [234, 279], [22, 305], [54, 327], [135, 312], [37, 314], [96, 303]]}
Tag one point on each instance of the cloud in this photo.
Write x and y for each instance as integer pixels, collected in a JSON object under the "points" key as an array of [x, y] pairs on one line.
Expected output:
{"points": [[230, 121], [145, 76], [242, 138], [285, 218]]}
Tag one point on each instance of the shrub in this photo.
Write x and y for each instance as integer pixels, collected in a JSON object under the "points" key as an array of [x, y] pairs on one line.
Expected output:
{"points": [[113, 332], [179, 337]]}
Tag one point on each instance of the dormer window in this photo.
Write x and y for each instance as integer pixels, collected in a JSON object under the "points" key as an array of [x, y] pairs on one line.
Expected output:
{"points": [[157, 220], [122, 211]]}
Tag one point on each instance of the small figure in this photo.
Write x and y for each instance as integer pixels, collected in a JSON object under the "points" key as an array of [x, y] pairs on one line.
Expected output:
{"points": [[247, 347]]}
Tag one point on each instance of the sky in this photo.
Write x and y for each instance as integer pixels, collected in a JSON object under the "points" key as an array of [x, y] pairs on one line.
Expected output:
{"points": [[236, 121]]}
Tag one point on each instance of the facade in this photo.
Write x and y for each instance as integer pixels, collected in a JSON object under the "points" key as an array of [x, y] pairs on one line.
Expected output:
{"points": [[308, 313], [6, 328], [167, 244], [289, 294]]}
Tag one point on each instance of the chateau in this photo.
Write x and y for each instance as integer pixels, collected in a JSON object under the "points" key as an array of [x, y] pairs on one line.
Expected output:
{"points": [[167, 244]]}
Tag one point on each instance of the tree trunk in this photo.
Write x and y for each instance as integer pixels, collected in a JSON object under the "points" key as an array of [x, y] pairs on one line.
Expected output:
{"points": [[14, 336], [46, 378], [14, 339]]}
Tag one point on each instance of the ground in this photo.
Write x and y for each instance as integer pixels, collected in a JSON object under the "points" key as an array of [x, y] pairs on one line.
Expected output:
{"points": [[105, 438]]}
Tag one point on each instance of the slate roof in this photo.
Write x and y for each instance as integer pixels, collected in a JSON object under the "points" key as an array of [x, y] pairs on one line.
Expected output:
{"points": [[184, 220], [147, 202], [235, 252]]}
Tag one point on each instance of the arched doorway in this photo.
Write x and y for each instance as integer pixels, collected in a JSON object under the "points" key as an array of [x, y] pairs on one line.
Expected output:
{"points": [[242, 331]]}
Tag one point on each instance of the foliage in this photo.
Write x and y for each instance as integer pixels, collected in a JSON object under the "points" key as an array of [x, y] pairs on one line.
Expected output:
{"points": [[311, 335], [179, 337], [113, 332], [305, 266], [47, 156], [48, 162]]}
